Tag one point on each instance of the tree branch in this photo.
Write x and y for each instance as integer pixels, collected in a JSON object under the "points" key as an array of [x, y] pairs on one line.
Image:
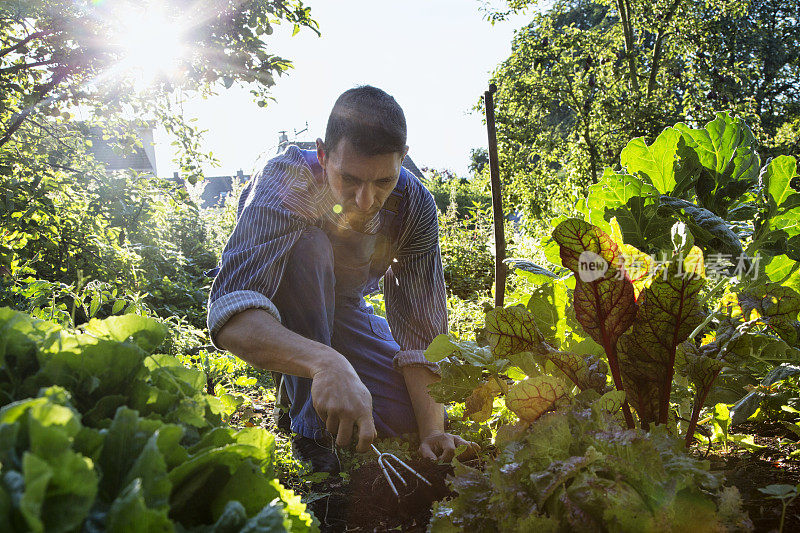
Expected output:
{"points": [[658, 48], [40, 93], [624, 14], [24, 66], [23, 42]]}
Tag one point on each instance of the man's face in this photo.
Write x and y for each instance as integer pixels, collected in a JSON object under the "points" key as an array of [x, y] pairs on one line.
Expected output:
{"points": [[360, 183]]}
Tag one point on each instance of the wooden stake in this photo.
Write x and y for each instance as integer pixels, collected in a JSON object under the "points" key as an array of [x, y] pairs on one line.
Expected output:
{"points": [[497, 202]]}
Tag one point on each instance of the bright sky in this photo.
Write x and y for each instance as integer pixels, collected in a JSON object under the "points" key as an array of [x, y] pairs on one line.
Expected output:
{"points": [[434, 56]]}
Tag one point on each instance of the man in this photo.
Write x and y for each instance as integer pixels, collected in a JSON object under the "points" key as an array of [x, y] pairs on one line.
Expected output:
{"points": [[315, 232]]}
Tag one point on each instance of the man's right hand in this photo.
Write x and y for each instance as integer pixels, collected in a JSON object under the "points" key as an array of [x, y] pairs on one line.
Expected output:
{"points": [[341, 401]]}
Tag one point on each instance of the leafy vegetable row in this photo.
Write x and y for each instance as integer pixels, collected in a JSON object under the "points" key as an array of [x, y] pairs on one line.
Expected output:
{"points": [[97, 434]]}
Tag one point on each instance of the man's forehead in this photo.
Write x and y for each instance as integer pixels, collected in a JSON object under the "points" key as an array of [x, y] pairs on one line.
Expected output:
{"points": [[350, 161]]}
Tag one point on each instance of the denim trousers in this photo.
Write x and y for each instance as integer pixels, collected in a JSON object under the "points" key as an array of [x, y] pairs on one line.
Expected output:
{"points": [[321, 298]]}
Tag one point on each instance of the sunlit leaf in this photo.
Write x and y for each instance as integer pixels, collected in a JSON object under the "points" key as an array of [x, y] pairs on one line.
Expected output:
{"points": [[530, 398], [668, 312], [656, 162], [512, 330], [478, 407]]}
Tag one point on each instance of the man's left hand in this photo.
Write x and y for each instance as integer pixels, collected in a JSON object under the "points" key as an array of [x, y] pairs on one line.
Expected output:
{"points": [[442, 446]]}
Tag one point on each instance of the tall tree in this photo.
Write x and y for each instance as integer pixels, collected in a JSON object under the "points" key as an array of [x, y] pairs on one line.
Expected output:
{"points": [[585, 77], [73, 70]]}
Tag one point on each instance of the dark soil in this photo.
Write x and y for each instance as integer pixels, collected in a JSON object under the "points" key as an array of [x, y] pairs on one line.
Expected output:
{"points": [[367, 503], [750, 471]]}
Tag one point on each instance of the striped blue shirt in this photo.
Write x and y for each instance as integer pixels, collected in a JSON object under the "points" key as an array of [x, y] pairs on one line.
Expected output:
{"points": [[276, 206]]}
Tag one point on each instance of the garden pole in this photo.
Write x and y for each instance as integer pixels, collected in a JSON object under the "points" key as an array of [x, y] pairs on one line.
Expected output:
{"points": [[497, 202]]}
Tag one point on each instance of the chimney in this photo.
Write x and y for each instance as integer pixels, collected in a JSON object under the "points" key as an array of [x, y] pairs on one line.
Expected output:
{"points": [[283, 140]]}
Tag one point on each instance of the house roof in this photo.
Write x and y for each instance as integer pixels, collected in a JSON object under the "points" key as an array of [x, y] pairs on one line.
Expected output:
{"points": [[140, 159]]}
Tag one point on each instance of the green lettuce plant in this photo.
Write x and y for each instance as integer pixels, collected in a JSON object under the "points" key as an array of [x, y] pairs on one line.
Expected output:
{"points": [[97, 433]]}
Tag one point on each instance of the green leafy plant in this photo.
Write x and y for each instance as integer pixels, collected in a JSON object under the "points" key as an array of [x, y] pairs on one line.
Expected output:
{"points": [[785, 493], [98, 433], [577, 469]]}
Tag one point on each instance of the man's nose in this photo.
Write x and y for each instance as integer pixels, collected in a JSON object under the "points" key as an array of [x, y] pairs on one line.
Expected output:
{"points": [[365, 197]]}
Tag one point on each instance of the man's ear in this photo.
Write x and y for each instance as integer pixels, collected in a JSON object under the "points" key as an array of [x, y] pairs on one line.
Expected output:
{"points": [[321, 152]]}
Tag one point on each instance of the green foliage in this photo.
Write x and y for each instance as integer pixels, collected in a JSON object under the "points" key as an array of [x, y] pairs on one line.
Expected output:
{"points": [[467, 246], [575, 469], [97, 432], [584, 78], [785, 493]]}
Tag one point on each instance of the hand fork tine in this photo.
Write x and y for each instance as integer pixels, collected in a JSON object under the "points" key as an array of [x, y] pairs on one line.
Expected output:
{"points": [[389, 469]]}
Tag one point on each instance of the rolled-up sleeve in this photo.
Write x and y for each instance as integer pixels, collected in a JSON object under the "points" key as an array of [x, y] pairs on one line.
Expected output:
{"points": [[255, 256], [416, 302]]}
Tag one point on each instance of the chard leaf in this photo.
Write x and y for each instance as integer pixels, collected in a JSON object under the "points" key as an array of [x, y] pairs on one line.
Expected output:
{"points": [[784, 271], [547, 305], [725, 148], [776, 178], [699, 365], [611, 401], [668, 312], [634, 203], [615, 190], [606, 309], [478, 407], [587, 372], [457, 383], [656, 162], [709, 229], [512, 330], [577, 239], [532, 397], [777, 305]]}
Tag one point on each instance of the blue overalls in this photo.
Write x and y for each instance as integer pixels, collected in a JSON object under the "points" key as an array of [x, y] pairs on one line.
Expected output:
{"points": [[321, 297]]}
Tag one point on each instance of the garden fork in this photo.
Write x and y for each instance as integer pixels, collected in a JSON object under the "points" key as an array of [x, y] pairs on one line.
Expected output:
{"points": [[389, 469]]}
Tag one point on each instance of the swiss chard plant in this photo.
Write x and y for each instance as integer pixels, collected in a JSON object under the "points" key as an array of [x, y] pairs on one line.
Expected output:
{"points": [[682, 269]]}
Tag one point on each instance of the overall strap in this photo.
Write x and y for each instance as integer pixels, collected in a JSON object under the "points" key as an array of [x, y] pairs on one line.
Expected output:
{"points": [[394, 209], [311, 158]]}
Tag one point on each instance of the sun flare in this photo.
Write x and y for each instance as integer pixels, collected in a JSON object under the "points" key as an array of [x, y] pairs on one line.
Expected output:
{"points": [[150, 43]]}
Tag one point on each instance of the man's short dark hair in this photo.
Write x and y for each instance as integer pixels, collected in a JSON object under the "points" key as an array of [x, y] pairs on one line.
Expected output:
{"points": [[370, 119]]}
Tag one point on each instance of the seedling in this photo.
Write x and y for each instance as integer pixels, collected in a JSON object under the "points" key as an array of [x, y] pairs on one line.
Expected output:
{"points": [[785, 493]]}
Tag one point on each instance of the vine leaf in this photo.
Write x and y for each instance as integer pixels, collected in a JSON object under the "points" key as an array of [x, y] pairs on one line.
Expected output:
{"points": [[532, 397]]}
